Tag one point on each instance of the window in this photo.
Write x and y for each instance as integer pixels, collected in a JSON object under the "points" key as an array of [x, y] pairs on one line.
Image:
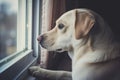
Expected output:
{"points": [[15, 28], [18, 45]]}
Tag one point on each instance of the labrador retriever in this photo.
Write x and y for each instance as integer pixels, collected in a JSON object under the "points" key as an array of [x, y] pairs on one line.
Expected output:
{"points": [[90, 43]]}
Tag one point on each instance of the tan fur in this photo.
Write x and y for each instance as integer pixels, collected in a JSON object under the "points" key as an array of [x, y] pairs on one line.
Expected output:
{"points": [[84, 22], [90, 43]]}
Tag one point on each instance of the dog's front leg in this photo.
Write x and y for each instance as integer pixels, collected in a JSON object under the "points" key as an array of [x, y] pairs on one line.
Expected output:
{"points": [[51, 74]]}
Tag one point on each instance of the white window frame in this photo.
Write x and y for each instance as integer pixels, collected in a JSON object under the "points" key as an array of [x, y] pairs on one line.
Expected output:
{"points": [[21, 25]]}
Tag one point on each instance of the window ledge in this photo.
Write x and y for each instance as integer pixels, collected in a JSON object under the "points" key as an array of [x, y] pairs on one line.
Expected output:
{"points": [[13, 61]]}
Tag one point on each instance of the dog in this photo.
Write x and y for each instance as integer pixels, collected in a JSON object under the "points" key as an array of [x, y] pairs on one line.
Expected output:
{"points": [[90, 43]]}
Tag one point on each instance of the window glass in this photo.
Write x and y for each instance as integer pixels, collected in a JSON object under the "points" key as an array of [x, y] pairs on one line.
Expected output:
{"points": [[13, 27], [8, 27], [15, 31]]}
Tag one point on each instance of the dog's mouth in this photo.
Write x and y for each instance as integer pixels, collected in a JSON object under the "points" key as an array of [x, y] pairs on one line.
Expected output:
{"points": [[59, 50], [51, 49]]}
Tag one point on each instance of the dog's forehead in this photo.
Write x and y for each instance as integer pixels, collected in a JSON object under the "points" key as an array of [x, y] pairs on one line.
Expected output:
{"points": [[66, 17], [67, 14], [71, 14]]}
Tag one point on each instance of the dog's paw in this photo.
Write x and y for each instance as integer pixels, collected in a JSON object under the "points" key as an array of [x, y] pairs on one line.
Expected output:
{"points": [[35, 71]]}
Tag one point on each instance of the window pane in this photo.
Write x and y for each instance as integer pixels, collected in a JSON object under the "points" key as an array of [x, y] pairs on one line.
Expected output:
{"points": [[8, 27]]}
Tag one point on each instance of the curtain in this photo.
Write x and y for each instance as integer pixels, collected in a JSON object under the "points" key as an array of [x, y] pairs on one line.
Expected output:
{"points": [[51, 10]]}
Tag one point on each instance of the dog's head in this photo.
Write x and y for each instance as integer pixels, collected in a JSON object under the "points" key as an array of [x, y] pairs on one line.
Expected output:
{"points": [[72, 25]]}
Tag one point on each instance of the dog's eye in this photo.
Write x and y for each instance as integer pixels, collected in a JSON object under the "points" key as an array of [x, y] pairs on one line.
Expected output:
{"points": [[60, 26]]}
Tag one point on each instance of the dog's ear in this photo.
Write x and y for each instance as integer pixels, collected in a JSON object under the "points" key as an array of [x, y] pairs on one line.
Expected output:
{"points": [[83, 23]]}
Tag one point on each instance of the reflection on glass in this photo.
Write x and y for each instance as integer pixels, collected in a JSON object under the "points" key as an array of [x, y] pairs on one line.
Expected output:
{"points": [[8, 27]]}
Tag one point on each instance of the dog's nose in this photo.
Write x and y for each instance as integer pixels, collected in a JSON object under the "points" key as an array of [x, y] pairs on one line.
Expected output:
{"points": [[40, 38]]}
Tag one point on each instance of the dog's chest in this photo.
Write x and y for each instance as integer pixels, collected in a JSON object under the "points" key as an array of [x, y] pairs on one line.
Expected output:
{"points": [[100, 71], [81, 72]]}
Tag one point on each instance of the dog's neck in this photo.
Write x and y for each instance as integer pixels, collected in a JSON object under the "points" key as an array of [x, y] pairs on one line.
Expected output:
{"points": [[89, 51]]}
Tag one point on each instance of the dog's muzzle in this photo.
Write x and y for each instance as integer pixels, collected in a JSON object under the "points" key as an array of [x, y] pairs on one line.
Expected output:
{"points": [[41, 39]]}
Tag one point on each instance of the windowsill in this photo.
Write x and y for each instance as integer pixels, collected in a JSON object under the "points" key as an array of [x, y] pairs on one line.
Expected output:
{"points": [[13, 61], [18, 69]]}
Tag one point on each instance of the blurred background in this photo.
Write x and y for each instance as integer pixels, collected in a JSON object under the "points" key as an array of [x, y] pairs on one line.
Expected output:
{"points": [[8, 27]]}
